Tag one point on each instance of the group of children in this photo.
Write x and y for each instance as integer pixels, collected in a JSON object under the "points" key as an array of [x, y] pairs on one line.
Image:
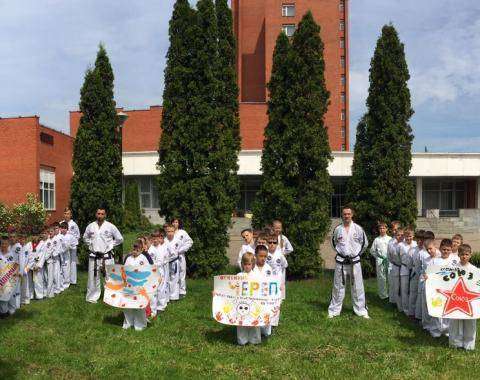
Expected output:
{"points": [[263, 255], [401, 264], [166, 250], [47, 263]]}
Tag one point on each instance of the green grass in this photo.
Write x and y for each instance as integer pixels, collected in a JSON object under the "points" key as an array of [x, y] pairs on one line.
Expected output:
{"points": [[67, 338]]}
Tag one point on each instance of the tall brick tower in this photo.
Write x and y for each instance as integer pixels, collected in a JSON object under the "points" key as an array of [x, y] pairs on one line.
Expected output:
{"points": [[257, 24]]}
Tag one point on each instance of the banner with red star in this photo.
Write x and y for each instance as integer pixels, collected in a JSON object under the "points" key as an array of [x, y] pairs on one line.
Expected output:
{"points": [[453, 292]]}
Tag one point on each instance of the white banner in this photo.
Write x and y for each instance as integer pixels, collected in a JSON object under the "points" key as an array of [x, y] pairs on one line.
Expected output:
{"points": [[130, 287], [453, 292], [8, 279], [246, 301]]}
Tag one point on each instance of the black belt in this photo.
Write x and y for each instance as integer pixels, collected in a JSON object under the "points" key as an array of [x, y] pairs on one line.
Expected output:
{"points": [[347, 260], [100, 256]]}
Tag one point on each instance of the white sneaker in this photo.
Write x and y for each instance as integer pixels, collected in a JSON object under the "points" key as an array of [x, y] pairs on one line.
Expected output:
{"points": [[331, 316], [366, 316]]}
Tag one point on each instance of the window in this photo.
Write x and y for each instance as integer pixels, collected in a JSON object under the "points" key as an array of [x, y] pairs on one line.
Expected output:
{"points": [[46, 138], [342, 25], [343, 115], [147, 191], [288, 10], [342, 62], [47, 189], [341, 6], [338, 197], [342, 43], [343, 80], [288, 29], [344, 132], [344, 148], [343, 97], [448, 196]]}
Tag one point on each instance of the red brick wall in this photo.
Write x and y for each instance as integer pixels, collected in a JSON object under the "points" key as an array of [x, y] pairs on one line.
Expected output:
{"points": [[258, 23], [141, 131], [19, 158], [253, 119], [59, 158]]}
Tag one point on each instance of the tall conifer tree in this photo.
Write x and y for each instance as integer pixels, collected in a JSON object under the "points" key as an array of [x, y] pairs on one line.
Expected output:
{"points": [[296, 186], [198, 148], [380, 188], [96, 160]]}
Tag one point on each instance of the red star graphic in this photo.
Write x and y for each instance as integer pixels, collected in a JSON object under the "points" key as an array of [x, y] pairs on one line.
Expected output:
{"points": [[459, 298]]}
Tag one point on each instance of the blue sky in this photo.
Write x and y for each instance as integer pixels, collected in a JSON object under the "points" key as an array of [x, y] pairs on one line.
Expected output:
{"points": [[46, 46]]}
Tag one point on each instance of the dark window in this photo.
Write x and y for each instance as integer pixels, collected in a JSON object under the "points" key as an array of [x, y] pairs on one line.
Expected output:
{"points": [[46, 138]]}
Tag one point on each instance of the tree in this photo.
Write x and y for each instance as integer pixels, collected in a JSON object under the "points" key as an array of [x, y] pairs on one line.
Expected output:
{"points": [[380, 188], [296, 187], [198, 151], [96, 151], [133, 214]]}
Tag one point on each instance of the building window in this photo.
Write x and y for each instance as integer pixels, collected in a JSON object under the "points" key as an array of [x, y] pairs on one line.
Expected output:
{"points": [[341, 6], [147, 191], [288, 29], [46, 138], [288, 10], [342, 43], [342, 62], [343, 97], [344, 132], [343, 115], [47, 189], [249, 186], [342, 25], [446, 195], [343, 80], [338, 196], [344, 148]]}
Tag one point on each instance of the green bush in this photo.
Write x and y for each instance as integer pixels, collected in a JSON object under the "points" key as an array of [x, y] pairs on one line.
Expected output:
{"points": [[29, 218], [6, 217], [475, 260]]}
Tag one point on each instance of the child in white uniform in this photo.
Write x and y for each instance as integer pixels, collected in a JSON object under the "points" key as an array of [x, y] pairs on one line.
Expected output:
{"points": [[7, 256], [379, 251], [457, 241], [159, 253], [57, 255], [437, 326], [75, 232], [27, 280], [283, 242], [462, 332], [185, 243], [174, 267], [248, 334], [38, 261], [48, 267], [136, 318], [414, 267], [262, 269], [247, 246], [396, 264], [403, 250]]}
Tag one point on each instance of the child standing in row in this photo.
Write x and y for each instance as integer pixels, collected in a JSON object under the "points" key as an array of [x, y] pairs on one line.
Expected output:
{"points": [[136, 318], [395, 265], [404, 252], [248, 334], [379, 252], [462, 332]]}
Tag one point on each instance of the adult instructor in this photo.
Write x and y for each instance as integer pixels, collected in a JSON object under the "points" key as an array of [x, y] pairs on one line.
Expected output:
{"points": [[100, 237], [349, 241]]}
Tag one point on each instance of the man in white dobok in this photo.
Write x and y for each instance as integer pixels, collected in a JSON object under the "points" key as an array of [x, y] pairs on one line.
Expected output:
{"points": [[349, 241], [100, 237]]}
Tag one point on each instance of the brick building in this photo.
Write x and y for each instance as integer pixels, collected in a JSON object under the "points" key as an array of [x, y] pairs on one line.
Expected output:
{"points": [[257, 24], [35, 159]]}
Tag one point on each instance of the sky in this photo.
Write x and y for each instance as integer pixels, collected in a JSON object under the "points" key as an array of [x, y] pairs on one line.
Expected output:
{"points": [[47, 45]]}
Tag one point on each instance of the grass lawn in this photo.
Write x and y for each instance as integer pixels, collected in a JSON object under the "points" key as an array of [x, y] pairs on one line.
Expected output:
{"points": [[67, 338]]}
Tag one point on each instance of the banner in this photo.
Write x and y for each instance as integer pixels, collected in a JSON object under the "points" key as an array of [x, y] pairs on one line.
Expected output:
{"points": [[130, 287], [246, 301], [453, 292], [8, 280]]}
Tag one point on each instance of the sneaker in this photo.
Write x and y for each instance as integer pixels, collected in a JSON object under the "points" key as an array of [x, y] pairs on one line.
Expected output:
{"points": [[331, 316], [366, 316]]}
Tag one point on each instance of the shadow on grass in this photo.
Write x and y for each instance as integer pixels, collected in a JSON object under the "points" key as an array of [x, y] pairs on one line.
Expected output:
{"points": [[226, 334], [113, 319], [8, 370], [19, 316]]}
